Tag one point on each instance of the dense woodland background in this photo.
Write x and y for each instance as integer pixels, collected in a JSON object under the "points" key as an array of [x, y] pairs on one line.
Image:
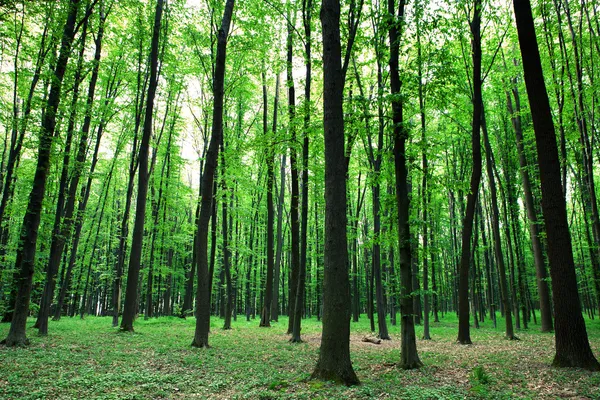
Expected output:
{"points": [[150, 203]]}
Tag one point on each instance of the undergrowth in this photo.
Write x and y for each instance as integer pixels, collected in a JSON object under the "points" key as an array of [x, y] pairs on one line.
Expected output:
{"points": [[90, 359]]}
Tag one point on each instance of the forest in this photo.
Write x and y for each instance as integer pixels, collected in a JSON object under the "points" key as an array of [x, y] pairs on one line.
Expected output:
{"points": [[326, 199]]}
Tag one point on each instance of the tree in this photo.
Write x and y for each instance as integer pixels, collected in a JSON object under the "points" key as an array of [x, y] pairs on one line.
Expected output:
{"points": [[25, 261], [464, 336], [409, 356], [208, 176], [572, 345], [131, 293], [334, 357]]}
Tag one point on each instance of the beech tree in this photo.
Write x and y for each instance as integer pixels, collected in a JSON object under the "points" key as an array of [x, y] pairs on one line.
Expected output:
{"points": [[25, 261], [203, 290], [572, 345]]}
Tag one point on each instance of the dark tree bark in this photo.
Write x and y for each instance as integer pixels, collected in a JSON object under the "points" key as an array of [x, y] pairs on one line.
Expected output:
{"points": [[572, 345], [225, 229], [57, 243], [265, 318], [300, 298], [534, 230], [277, 273], [203, 289], [425, 191], [495, 216], [133, 165], [295, 197], [375, 160], [464, 336], [334, 357], [25, 260], [129, 306], [409, 358], [77, 219]]}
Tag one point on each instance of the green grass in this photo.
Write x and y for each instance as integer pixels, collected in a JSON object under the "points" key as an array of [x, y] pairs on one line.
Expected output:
{"points": [[89, 359]]}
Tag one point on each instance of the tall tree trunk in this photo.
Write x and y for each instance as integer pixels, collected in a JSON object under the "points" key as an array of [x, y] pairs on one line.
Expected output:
{"points": [[203, 290], [572, 345], [25, 260], [510, 333], [300, 298], [464, 336], [376, 208], [534, 231], [265, 318], [277, 273], [294, 211], [334, 357], [133, 166], [57, 243], [226, 250], [129, 307], [408, 353]]}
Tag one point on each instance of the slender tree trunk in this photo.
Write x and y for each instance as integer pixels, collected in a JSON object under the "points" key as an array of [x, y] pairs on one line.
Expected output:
{"points": [[534, 231], [25, 260], [203, 290], [295, 221], [572, 345], [57, 243], [334, 357], [131, 293], [278, 252], [133, 165], [464, 336], [226, 250], [300, 296], [510, 334], [265, 318], [409, 356]]}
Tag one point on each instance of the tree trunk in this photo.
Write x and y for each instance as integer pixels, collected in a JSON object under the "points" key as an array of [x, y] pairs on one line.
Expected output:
{"points": [[334, 357], [57, 243], [295, 222], [409, 356], [129, 307], [265, 318], [277, 273], [534, 231], [572, 345], [510, 333], [464, 336], [25, 260], [300, 297], [203, 290]]}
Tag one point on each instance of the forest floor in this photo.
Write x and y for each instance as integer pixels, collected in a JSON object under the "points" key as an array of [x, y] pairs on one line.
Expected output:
{"points": [[88, 359]]}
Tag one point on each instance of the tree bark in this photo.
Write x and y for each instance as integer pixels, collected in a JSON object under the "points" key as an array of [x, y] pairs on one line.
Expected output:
{"points": [[509, 332], [464, 336], [57, 243], [25, 260], [265, 318], [334, 357], [294, 200], [129, 307], [203, 290], [408, 353], [534, 231], [572, 345]]}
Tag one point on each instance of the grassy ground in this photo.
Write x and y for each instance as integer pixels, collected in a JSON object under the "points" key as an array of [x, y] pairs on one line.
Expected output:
{"points": [[89, 359]]}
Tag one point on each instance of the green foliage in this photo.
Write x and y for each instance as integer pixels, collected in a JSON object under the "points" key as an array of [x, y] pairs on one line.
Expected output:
{"points": [[479, 376]]}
